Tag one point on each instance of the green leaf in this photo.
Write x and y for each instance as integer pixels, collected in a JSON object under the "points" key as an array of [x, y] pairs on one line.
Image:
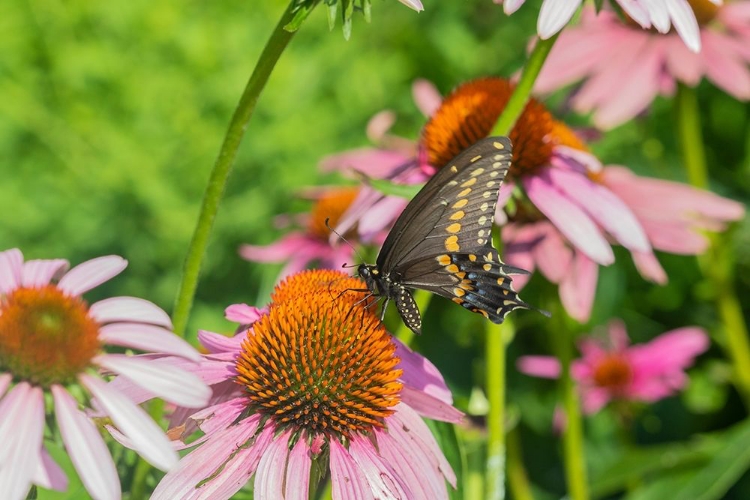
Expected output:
{"points": [[346, 13], [724, 469], [400, 190], [332, 9], [367, 10]]}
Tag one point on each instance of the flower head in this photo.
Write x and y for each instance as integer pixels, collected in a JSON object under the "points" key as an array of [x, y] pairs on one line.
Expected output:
{"points": [[624, 68], [317, 378], [660, 15], [572, 207], [51, 339], [612, 370], [300, 248]]}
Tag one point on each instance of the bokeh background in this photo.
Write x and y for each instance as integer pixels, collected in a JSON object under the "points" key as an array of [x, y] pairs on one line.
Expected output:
{"points": [[112, 113]]}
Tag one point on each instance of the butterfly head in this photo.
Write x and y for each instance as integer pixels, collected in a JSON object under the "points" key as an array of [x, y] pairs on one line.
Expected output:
{"points": [[371, 276]]}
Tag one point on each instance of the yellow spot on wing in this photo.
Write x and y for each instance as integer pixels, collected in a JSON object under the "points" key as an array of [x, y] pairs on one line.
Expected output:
{"points": [[453, 268], [477, 171], [458, 292], [487, 267], [498, 145], [443, 260], [472, 257], [454, 169], [457, 215], [453, 228], [470, 182], [475, 158], [463, 193], [451, 243], [460, 203]]}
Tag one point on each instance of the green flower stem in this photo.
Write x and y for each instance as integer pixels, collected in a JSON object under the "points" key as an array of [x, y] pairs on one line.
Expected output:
{"points": [[715, 263], [275, 46], [521, 94], [573, 448], [497, 336], [518, 480]]}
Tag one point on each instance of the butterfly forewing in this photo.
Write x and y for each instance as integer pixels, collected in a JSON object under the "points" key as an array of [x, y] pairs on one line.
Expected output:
{"points": [[454, 211]]}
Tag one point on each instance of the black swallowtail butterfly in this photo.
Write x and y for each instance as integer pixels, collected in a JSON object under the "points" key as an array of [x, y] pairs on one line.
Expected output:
{"points": [[442, 241]]}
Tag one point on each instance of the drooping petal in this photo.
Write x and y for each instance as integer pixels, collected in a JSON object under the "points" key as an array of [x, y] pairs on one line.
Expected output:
{"points": [[209, 461], [298, 467], [510, 6], [216, 342], [429, 406], [48, 474], [413, 4], [11, 270], [172, 384], [283, 249], [670, 351], [539, 366], [91, 274], [129, 309], [38, 273], [347, 479], [554, 15], [384, 481], [426, 96], [243, 314], [269, 477], [147, 338], [684, 22], [86, 448], [724, 67], [578, 289], [420, 435], [649, 267], [421, 374], [570, 219], [552, 255], [5, 380], [21, 432], [148, 439]]}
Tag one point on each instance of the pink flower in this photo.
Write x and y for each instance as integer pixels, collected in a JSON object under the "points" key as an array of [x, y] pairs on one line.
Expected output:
{"points": [[315, 377], [616, 371], [50, 338], [624, 68], [661, 15], [393, 158], [572, 208], [300, 248]]}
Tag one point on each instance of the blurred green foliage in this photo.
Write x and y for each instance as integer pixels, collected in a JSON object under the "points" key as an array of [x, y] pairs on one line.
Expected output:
{"points": [[112, 113]]}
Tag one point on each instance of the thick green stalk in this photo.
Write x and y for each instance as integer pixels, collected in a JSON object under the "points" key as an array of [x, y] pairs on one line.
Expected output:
{"points": [[714, 263], [522, 93], [275, 46], [573, 449], [518, 480], [495, 373]]}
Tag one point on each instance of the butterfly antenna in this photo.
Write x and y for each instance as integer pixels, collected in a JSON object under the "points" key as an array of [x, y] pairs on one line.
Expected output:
{"points": [[345, 241]]}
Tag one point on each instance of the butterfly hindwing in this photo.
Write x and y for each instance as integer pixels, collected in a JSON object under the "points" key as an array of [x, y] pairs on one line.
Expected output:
{"points": [[454, 211]]}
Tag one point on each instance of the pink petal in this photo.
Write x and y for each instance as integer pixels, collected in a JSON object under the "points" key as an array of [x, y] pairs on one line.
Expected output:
{"points": [[5, 380], [618, 336], [347, 478], [604, 207], [554, 15], [298, 467], [578, 289], [724, 67], [640, 15], [657, 15], [384, 481], [215, 342], [426, 96], [539, 366], [129, 309], [413, 4], [380, 215], [429, 406], [148, 439], [212, 460], [38, 273], [86, 448], [673, 350], [269, 477], [91, 274], [570, 219], [286, 247], [683, 20], [379, 125], [243, 314], [410, 425], [553, 256], [636, 89], [649, 267], [166, 381], [11, 270], [685, 65], [48, 474], [147, 338], [375, 163], [421, 374], [21, 432], [594, 399]]}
